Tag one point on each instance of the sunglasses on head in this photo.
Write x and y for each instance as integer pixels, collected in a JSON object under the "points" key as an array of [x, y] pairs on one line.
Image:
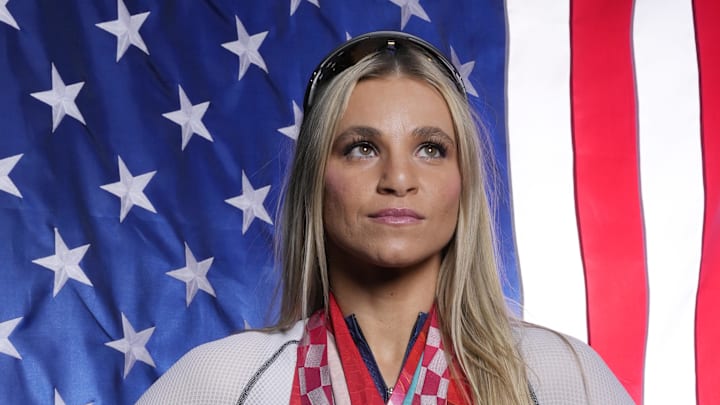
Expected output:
{"points": [[354, 50]]}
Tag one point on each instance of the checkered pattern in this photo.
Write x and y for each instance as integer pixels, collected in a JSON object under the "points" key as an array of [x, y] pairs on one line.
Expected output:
{"points": [[434, 378], [313, 371]]}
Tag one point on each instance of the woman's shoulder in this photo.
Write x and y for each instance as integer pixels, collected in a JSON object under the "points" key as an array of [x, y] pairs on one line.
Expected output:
{"points": [[243, 365], [565, 370]]}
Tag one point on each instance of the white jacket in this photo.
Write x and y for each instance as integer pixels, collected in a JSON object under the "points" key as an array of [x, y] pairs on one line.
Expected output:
{"points": [[258, 368]]}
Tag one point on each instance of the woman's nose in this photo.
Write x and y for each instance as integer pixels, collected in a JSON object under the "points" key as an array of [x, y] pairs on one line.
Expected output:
{"points": [[398, 175]]}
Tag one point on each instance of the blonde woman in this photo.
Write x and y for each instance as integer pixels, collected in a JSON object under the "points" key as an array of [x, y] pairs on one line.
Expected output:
{"points": [[390, 289]]}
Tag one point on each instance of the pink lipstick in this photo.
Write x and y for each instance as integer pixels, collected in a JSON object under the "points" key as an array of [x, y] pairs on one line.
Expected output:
{"points": [[396, 216]]}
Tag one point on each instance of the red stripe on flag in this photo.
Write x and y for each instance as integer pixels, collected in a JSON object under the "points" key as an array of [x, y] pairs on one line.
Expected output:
{"points": [[607, 185], [707, 328]]}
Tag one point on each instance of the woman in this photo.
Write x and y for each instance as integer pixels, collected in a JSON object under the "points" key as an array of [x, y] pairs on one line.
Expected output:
{"points": [[390, 285]]}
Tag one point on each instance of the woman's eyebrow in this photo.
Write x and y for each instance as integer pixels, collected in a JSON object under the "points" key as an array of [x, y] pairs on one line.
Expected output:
{"points": [[370, 132], [358, 130], [429, 132]]}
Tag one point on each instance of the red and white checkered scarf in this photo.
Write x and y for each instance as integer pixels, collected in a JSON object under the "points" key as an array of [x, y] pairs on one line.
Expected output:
{"points": [[330, 369]]}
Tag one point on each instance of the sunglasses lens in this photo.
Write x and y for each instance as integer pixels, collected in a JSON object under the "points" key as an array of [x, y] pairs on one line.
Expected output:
{"points": [[353, 51]]}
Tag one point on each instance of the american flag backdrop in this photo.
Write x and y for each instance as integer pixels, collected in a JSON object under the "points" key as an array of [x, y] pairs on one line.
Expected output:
{"points": [[143, 145]]}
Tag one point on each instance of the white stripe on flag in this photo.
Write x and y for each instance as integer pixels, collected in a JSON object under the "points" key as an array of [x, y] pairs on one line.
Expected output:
{"points": [[541, 165], [672, 192]]}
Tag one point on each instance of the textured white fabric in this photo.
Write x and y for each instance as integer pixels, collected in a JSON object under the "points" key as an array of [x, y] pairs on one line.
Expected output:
{"points": [[561, 370], [218, 372]]}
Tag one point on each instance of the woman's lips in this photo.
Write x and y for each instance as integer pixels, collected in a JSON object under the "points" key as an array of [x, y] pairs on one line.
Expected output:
{"points": [[396, 216]]}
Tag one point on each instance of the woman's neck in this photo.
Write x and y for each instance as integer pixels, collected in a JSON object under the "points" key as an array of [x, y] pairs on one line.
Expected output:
{"points": [[386, 307]]}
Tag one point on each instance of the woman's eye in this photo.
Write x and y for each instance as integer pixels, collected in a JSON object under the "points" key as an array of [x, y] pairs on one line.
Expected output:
{"points": [[362, 150], [431, 151]]}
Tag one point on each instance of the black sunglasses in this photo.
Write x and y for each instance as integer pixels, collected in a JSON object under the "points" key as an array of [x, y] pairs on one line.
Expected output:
{"points": [[352, 51]]}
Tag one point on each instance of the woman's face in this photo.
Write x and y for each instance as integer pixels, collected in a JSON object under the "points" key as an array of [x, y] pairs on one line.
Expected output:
{"points": [[392, 182]]}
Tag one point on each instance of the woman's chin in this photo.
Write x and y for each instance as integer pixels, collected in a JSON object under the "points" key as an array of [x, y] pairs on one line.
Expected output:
{"points": [[400, 262]]}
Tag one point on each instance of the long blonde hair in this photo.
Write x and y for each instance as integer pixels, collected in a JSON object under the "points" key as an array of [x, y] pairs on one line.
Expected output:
{"points": [[472, 311]]}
